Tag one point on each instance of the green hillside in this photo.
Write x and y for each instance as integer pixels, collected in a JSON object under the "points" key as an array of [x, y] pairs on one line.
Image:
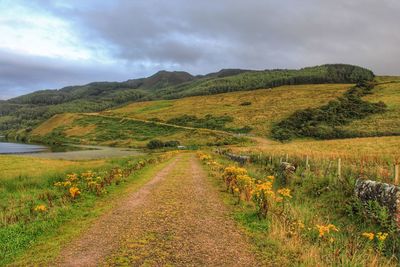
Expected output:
{"points": [[29, 110], [257, 109], [101, 130]]}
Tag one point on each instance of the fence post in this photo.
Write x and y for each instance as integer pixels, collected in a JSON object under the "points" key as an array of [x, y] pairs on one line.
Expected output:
{"points": [[287, 157], [396, 174], [339, 168], [307, 165]]}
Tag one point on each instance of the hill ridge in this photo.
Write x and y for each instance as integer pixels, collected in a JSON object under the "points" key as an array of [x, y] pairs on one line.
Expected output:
{"points": [[27, 111]]}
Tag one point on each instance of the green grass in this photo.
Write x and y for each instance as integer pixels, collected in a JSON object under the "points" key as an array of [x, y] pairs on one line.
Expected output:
{"points": [[121, 129], [161, 105], [387, 123], [124, 132], [317, 199], [13, 166], [37, 238]]}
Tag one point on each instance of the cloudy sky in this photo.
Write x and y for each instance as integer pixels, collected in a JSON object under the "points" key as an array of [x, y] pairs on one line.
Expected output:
{"points": [[47, 44]]}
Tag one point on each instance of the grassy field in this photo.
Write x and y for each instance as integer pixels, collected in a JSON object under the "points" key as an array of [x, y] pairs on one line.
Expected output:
{"points": [[19, 166], [263, 107], [383, 149], [387, 123], [112, 131], [259, 109], [34, 208]]}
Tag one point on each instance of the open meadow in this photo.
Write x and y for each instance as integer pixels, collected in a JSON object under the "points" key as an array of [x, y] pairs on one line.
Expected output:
{"points": [[258, 109]]}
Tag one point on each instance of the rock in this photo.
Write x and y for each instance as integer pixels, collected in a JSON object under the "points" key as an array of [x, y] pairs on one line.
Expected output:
{"points": [[238, 158], [287, 168], [387, 195]]}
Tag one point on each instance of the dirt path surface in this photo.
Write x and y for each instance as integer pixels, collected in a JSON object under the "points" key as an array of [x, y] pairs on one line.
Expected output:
{"points": [[177, 219]]}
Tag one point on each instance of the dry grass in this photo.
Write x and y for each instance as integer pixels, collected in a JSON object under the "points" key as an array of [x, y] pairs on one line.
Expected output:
{"points": [[14, 166], [267, 106], [373, 148], [54, 122], [79, 131]]}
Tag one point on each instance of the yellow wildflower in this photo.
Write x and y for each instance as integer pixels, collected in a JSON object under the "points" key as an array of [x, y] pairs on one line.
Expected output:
{"points": [[381, 236], [203, 157], [325, 229], [40, 208], [72, 177], [369, 236], [67, 183], [285, 192], [74, 191]]}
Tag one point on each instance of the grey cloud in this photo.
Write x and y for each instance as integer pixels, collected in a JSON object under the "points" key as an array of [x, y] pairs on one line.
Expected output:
{"points": [[204, 36], [19, 73]]}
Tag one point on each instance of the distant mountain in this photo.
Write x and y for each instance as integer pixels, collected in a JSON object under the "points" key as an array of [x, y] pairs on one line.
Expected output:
{"points": [[28, 110], [104, 90], [163, 79], [226, 72]]}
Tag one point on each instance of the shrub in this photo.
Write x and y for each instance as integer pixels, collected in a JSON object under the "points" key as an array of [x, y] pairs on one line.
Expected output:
{"points": [[322, 122], [154, 144], [172, 143], [246, 103]]}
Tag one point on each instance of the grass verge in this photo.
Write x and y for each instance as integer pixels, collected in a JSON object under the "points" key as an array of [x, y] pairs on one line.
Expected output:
{"points": [[40, 241], [319, 226]]}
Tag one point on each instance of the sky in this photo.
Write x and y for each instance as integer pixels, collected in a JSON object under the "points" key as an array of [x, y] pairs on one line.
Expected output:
{"points": [[48, 44]]}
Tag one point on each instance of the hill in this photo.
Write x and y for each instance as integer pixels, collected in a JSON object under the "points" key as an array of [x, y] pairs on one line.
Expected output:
{"points": [[257, 109], [253, 113], [29, 110], [112, 131]]}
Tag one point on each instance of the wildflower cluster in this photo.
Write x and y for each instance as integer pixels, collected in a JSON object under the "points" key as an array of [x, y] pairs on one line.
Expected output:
{"points": [[244, 187], [203, 157], [230, 176], [379, 238], [75, 184], [325, 231], [264, 195]]}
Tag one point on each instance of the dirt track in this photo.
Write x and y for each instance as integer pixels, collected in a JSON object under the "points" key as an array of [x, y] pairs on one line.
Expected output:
{"points": [[177, 219]]}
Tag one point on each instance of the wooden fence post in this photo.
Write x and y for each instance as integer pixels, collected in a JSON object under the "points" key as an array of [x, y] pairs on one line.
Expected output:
{"points": [[339, 168], [307, 165], [396, 174], [287, 157]]}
